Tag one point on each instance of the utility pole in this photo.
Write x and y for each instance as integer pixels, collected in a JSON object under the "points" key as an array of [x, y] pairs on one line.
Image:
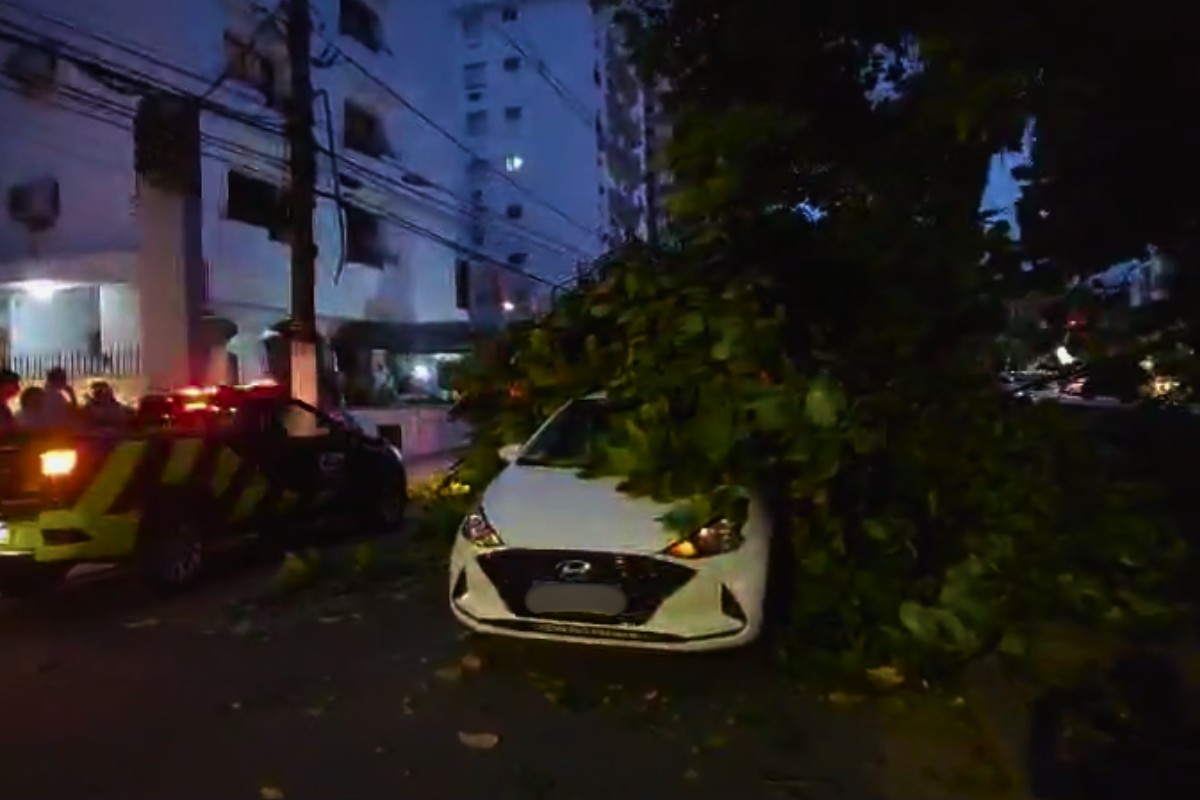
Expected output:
{"points": [[301, 203]]}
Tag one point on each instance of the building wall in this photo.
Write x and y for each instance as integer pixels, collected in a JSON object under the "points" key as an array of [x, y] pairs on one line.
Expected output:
{"points": [[80, 134], [118, 315], [96, 235], [555, 44], [44, 326]]}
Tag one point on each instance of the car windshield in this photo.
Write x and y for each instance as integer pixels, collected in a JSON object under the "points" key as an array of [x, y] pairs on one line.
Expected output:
{"points": [[566, 443]]}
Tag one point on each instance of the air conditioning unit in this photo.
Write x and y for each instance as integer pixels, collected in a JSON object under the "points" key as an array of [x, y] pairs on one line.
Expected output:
{"points": [[35, 204], [33, 67]]}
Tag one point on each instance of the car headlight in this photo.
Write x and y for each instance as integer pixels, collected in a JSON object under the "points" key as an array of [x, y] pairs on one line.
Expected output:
{"points": [[478, 531], [715, 538]]}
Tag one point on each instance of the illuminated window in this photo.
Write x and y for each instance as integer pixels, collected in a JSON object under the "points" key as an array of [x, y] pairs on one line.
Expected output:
{"points": [[513, 163]]}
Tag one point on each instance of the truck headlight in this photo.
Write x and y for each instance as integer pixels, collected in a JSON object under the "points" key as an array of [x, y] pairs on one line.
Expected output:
{"points": [[714, 539], [59, 463], [478, 531]]}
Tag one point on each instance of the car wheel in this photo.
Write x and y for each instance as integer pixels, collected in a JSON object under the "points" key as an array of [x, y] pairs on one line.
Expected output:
{"points": [[390, 508], [33, 579], [173, 558]]}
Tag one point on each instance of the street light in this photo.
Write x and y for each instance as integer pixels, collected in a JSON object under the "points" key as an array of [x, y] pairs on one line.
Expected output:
{"points": [[508, 306]]}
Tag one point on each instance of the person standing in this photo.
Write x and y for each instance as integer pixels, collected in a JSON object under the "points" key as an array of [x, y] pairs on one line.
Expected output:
{"points": [[59, 405], [10, 387]]}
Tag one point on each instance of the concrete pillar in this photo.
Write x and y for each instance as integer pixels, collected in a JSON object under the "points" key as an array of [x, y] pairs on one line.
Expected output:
{"points": [[216, 332], [170, 272]]}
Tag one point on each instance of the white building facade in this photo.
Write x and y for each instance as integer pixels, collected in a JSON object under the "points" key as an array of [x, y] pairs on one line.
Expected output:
{"points": [[463, 140]]}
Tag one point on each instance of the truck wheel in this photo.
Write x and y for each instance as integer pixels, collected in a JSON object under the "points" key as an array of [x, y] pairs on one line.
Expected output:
{"points": [[172, 556], [33, 579]]}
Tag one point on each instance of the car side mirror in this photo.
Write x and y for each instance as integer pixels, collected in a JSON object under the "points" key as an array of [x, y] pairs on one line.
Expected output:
{"points": [[510, 453]]}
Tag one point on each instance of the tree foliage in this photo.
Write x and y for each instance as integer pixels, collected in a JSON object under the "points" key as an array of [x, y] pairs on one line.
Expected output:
{"points": [[842, 363]]}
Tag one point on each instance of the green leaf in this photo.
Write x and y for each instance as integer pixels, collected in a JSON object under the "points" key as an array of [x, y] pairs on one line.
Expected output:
{"points": [[619, 460], [1013, 644], [771, 412], [876, 530], [935, 626], [600, 310], [693, 323], [688, 515], [823, 403]]}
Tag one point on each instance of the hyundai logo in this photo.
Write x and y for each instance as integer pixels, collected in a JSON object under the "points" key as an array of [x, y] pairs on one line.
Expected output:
{"points": [[572, 569]]}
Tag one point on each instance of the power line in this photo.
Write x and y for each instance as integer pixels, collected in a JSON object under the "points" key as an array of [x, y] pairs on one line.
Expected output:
{"points": [[104, 71], [107, 40], [542, 240], [449, 243], [244, 49], [107, 109], [142, 81], [459, 143], [569, 98]]}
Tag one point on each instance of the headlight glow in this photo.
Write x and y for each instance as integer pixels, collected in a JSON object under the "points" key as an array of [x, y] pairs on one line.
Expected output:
{"points": [[716, 538], [59, 463], [478, 531]]}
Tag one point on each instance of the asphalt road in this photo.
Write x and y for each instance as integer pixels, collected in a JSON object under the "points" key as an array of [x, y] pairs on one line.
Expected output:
{"points": [[106, 692]]}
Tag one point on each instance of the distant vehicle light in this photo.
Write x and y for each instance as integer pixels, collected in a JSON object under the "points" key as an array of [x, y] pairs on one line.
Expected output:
{"points": [[59, 463]]}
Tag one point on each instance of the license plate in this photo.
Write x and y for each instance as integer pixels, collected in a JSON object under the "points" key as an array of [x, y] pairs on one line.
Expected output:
{"points": [[575, 598]]}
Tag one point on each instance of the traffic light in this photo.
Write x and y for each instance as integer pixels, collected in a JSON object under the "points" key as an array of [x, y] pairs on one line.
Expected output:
{"points": [[166, 142]]}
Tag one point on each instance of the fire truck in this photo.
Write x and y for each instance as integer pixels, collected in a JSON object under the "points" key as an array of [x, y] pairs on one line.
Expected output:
{"points": [[188, 475]]}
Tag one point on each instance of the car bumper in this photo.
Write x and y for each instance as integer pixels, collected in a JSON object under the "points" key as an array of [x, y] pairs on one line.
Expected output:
{"points": [[700, 606], [62, 536]]}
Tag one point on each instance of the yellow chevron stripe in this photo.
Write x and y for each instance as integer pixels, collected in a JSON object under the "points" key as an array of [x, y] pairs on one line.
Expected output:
{"points": [[184, 455], [112, 477], [250, 498], [226, 468]]}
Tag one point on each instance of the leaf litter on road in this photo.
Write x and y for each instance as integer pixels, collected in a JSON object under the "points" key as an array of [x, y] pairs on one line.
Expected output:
{"points": [[271, 793], [148, 622], [481, 740]]}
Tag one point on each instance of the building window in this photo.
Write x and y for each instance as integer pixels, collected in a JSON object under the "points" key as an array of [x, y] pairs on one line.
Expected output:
{"points": [[474, 97], [596, 79], [364, 238], [508, 14], [477, 197], [512, 64], [514, 113], [517, 259], [478, 236], [253, 201], [477, 123], [472, 26], [513, 163], [477, 168], [475, 75], [514, 211], [246, 65], [362, 131], [359, 21]]}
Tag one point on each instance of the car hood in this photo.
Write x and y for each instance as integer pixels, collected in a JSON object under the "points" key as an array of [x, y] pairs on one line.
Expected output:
{"points": [[540, 508]]}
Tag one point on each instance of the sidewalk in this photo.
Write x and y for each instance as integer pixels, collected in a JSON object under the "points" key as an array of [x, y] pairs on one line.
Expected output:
{"points": [[426, 465]]}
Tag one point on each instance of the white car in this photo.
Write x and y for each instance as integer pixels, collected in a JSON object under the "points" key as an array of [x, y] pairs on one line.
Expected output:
{"points": [[550, 555]]}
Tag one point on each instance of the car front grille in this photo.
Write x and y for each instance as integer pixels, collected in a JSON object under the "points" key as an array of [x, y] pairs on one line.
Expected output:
{"points": [[646, 581]]}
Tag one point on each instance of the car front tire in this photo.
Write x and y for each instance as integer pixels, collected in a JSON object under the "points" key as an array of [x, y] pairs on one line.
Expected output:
{"points": [[173, 557]]}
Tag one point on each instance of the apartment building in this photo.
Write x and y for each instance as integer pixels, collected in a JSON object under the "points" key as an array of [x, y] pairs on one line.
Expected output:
{"points": [[461, 173]]}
